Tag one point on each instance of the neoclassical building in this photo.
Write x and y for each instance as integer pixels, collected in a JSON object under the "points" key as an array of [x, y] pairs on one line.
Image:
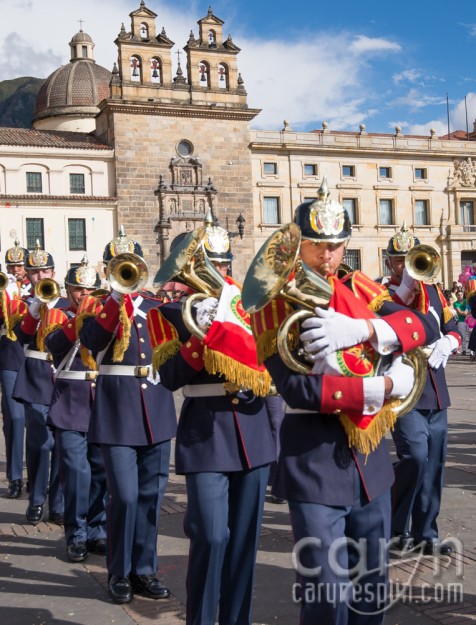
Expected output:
{"points": [[152, 149]]}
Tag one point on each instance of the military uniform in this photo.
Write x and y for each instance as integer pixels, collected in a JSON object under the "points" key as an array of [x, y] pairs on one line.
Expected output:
{"points": [[334, 466], [81, 465], [11, 359], [133, 419], [420, 436], [33, 387], [224, 448]]}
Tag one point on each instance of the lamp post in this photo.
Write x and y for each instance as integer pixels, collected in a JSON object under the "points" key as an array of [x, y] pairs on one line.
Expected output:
{"points": [[240, 222]]}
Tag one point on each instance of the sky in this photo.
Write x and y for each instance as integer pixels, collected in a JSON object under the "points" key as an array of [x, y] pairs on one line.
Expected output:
{"points": [[346, 62]]}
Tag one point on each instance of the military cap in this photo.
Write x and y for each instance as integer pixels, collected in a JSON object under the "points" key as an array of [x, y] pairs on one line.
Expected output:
{"points": [[39, 259], [122, 243], [83, 275], [402, 242], [16, 255]]}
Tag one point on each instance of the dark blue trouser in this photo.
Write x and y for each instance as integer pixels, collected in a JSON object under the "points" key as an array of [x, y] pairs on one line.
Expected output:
{"points": [[223, 520], [420, 438], [13, 426], [84, 487], [339, 584], [136, 480], [40, 445]]}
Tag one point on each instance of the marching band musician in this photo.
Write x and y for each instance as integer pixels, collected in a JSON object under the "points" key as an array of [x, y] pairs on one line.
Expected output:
{"points": [[80, 463], [420, 435], [334, 463], [11, 358], [224, 443], [33, 387], [133, 419]]}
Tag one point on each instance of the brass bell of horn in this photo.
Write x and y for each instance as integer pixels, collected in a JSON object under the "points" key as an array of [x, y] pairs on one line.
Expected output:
{"points": [[189, 264], [4, 281], [423, 263], [127, 273], [47, 289]]}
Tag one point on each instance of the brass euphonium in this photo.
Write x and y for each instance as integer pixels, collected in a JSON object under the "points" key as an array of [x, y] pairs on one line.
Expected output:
{"points": [[189, 264], [47, 289], [127, 273], [4, 281], [423, 263]]}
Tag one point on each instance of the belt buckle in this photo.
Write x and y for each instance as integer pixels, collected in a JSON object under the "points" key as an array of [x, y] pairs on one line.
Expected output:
{"points": [[91, 375], [142, 372], [231, 388], [49, 357]]}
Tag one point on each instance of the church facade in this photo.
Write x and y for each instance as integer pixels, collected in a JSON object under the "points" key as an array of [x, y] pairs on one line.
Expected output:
{"points": [[142, 147]]}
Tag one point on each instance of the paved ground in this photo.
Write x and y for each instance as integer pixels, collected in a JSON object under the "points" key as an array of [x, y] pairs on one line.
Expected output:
{"points": [[38, 586]]}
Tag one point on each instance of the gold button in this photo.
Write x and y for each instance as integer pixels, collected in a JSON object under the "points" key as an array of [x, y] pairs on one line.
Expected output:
{"points": [[194, 354], [415, 336], [235, 400], [337, 411], [338, 395], [144, 385], [188, 344], [70, 325], [93, 384], [385, 350], [143, 356], [142, 339], [408, 320], [103, 315], [371, 408], [139, 325]]}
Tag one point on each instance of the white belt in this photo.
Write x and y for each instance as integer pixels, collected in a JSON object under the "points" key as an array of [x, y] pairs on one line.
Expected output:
{"points": [[31, 353], [137, 372], [77, 375], [289, 410], [218, 389]]}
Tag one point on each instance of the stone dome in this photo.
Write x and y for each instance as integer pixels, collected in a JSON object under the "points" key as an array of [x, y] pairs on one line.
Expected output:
{"points": [[73, 91]]}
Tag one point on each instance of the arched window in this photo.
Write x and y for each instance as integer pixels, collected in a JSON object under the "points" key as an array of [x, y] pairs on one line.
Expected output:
{"points": [[156, 71], [222, 76], [212, 39], [204, 70], [136, 69], [144, 31]]}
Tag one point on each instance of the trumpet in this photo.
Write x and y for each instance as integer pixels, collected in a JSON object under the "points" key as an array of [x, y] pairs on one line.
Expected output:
{"points": [[189, 264], [423, 263], [127, 273], [4, 281], [47, 289]]}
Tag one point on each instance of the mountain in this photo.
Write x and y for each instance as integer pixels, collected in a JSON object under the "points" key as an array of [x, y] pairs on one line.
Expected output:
{"points": [[17, 101]]}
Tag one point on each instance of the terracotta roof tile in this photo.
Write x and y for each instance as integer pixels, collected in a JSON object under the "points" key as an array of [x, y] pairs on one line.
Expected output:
{"points": [[50, 139]]}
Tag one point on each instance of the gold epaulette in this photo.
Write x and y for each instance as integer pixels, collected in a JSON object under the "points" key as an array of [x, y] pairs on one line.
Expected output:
{"points": [[51, 319], [364, 288], [164, 338]]}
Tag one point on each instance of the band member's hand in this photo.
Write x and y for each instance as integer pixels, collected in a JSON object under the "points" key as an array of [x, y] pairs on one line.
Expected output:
{"points": [[330, 331], [407, 289], [402, 377], [441, 352], [206, 311], [34, 308]]}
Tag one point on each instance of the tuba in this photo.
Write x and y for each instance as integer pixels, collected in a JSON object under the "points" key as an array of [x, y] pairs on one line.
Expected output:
{"points": [[127, 273], [276, 271], [423, 263], [47, 289], [189, 264]]}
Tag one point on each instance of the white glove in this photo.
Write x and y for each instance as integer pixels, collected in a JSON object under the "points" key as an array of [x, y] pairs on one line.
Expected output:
{"points": [[402, 376], [34, 308], [442, 349], [330, 331], [407, 288], [11, 278], [116, 296], [206, 311]]}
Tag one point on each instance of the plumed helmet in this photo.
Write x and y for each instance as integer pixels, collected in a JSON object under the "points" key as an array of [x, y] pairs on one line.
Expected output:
{"points": [[121, 244], [83, 275], [402, 242], [323, 220], [216, 241], [39, 259], [16, 255]]}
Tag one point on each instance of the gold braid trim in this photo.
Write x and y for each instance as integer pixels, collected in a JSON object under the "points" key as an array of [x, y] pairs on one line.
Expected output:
{"points": [[121, 345], [376, 304], [42, 329], [86, 356], [366, 441], [447, 314], [12, 322], [236, 372], [3, 304], [44, 333], [164, 352]]}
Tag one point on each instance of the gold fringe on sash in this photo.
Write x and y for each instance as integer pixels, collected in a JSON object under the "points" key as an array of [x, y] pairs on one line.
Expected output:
{"points": [[236, 372], [366, 441], [447, 314], [267, 343], [12, 322], [84, 352], [165, 351], [121, 344]]}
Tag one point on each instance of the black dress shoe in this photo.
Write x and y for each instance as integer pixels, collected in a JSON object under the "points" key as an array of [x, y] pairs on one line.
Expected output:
{"points": [[149, 586], [77, 552], [34, 514], [56, 517], [436, 548], [403, 542], [15, 488], [120, 589], [98, 546], [277, 500]]}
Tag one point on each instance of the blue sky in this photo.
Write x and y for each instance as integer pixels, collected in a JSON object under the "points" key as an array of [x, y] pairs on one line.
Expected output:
{"points": [[346, 63]]}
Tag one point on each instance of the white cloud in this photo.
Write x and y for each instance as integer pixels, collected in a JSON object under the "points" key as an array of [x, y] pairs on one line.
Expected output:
{"points": [[409, 75], [362, 44]]}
